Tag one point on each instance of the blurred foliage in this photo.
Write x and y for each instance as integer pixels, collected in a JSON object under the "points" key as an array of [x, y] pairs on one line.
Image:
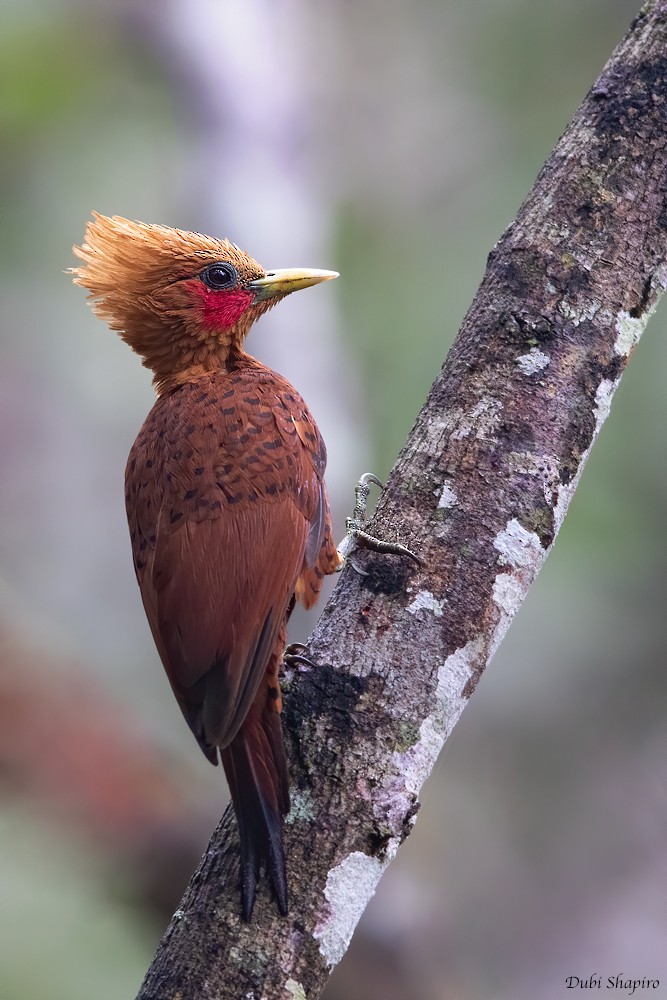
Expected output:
{"points": [[61, 930]]}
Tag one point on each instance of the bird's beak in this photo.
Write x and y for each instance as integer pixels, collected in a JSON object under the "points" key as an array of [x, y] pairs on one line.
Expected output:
{"points": [[287, 280]]}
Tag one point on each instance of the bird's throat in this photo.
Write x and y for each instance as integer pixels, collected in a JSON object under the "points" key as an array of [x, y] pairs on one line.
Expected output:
{"points": [[210, 337]]}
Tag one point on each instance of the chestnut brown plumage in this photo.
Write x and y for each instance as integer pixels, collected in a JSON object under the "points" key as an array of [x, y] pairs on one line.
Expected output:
{"points": [[226, 502]]}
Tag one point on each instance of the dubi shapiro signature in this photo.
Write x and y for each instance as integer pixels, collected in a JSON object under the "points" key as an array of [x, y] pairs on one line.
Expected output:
{"points": [[619, 982]]}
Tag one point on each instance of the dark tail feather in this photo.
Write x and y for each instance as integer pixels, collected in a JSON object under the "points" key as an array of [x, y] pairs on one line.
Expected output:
{"points": [[256, 770]]}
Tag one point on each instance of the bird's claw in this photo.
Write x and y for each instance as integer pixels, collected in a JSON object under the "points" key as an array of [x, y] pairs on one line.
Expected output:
{"points": [[356, 537], [294, 655]]}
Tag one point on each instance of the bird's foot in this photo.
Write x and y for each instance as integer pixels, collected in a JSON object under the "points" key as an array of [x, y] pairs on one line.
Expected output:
{"points": [[294, 655], [357, 537]]}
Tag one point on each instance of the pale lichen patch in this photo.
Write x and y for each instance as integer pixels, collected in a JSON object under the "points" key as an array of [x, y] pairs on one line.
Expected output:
{"points": [[628, 329], [417, 763], [426, 601], [532, 362], [448, 497], [481, 421], [413, 766], [438, 430], [508, 594], [603, 397], [348, 888], [302, 806], [295, 990], [521, 551], [517, 546], [578, 314]]}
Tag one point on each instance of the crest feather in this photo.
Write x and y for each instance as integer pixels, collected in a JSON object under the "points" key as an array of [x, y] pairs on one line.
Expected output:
{"points": [[143, 281], [125, 260]]}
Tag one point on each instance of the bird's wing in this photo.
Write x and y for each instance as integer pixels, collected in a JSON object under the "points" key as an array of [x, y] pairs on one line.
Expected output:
{"points": [[224, 496], [299, 431]]}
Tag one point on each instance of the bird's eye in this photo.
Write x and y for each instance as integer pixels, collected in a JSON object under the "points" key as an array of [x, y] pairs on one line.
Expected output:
{"points": [[219, 276]]}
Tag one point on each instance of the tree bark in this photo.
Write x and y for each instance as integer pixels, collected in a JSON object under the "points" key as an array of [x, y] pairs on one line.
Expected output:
{"points": [[479, 491]]}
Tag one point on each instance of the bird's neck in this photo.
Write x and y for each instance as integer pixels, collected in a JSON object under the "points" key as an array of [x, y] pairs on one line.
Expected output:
{"points": [[191, 369]]}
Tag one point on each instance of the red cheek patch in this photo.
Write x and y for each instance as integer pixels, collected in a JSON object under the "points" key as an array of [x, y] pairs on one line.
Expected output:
{"points": [[221, 310]]}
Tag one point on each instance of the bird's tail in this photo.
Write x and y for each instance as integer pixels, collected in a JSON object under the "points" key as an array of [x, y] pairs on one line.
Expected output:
{"points": [[256, 770]]}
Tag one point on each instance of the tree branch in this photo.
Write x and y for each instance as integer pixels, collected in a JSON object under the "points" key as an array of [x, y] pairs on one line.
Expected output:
{"points": [[480, 490]]}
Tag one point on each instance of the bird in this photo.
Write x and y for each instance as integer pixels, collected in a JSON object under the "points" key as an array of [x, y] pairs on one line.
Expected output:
{"points": [[226, 502]]}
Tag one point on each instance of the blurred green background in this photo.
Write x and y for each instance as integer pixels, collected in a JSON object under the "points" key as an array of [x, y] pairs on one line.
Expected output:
{"points": [[394, 142]]}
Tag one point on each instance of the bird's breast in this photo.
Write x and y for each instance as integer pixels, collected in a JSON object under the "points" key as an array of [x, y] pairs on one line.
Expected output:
{"points": [[219, 443]]}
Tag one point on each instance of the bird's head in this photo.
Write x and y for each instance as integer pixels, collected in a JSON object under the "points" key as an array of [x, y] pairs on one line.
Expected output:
{"points": [[181, 300]]}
